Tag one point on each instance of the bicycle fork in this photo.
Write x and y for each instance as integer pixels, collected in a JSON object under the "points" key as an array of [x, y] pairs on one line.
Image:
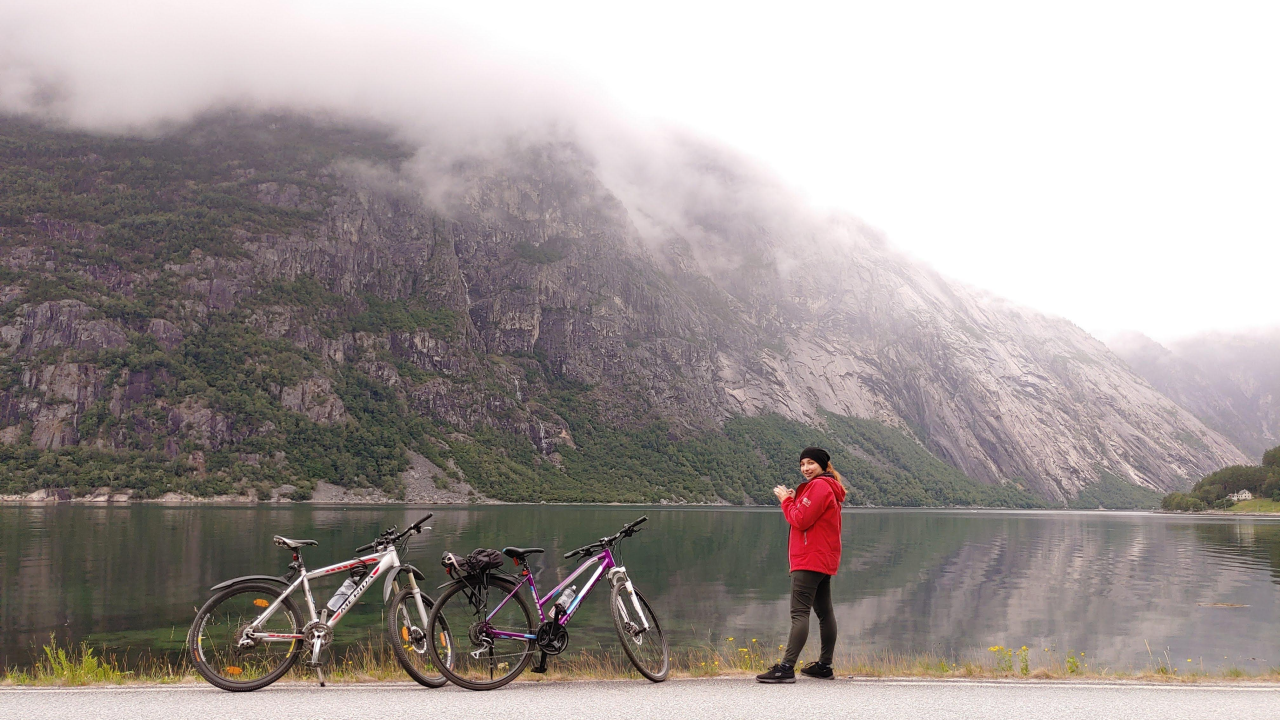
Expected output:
{"points": [[619, 575]]}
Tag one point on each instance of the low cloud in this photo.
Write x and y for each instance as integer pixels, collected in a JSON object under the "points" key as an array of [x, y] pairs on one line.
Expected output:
{"points": [[144, 65]]}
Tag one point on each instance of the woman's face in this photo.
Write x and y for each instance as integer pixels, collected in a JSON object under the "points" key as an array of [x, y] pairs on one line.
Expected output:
{"points": [[810, 469]]}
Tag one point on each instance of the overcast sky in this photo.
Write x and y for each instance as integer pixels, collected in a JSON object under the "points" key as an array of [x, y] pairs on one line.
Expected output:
{"points": [[1115, 163]]}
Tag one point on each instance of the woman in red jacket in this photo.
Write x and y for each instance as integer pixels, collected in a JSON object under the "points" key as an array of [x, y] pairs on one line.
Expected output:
{"points": [[813, 512]]}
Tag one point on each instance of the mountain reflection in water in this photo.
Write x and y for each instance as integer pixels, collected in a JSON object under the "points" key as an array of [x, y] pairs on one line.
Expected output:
{"points": [[952, 582]]}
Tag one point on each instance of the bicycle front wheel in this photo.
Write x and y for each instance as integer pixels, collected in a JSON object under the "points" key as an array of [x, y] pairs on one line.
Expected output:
{"points": [[215, 639], [407, 630], [466, 637], [638, 631]]}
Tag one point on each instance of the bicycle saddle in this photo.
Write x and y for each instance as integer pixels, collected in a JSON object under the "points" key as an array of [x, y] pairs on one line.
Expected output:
{"points": [[283, 541], [519, 554]]}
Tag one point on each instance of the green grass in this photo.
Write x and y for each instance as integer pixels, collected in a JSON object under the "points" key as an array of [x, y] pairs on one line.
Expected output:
{"points": [[1258, 505], [374, 662]]}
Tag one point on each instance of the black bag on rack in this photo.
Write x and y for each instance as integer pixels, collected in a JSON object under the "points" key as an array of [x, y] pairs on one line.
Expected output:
{"points": [[480, 560]]}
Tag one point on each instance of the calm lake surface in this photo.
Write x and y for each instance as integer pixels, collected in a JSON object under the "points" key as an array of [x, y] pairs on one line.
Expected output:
{"points": [[952, 582]]}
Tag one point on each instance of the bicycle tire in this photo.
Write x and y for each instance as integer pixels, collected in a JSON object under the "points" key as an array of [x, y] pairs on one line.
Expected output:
{"points": [[631, 644], [456, 601], [200, 654], [402, 645]]}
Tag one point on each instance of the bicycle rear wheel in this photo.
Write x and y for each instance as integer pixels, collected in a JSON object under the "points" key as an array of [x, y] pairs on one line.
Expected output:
{"points": [[214, 638], [638, 631], [406, 630], [472, 656]]}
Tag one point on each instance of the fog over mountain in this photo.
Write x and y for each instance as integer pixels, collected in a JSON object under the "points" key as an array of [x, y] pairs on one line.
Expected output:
{"points": [[1229, 381], [559, 250]]}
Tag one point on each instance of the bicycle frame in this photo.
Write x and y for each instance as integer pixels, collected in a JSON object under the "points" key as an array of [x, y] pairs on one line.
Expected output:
{"points": [[607, 566], [385, 560]]}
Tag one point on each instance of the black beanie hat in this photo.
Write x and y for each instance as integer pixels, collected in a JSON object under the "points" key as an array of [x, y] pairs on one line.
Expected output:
{"points": [[817, 455]]}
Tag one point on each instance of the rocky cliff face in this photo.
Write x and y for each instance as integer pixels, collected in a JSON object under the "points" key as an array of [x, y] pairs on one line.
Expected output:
{"points": [[1006, 394], [1232, 383], [529, 278]]}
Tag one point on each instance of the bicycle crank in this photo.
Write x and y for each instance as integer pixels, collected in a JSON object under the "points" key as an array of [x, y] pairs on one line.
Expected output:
{"points": [[552, 638], [316, 636]]}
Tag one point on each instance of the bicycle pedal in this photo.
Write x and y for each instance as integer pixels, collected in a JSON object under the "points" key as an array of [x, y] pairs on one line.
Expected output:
{"points": [[541, 667]]}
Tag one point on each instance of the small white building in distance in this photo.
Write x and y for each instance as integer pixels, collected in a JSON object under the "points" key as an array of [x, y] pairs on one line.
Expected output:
{"points": [[1241, 496]]}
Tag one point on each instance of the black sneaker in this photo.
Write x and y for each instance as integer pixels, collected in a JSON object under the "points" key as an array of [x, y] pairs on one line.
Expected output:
{"points": [[778, 674], [819, 670]]}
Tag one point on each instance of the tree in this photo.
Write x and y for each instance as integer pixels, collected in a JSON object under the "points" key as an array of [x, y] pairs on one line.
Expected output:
{"points": [[1271, 458], [1182, 502]]}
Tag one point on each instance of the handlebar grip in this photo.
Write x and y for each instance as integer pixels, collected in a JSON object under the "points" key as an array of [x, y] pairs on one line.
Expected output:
{"points": [[362, 548], [424, 519]]}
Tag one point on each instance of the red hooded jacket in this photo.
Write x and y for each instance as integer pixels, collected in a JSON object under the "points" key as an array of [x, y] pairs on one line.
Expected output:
{"points": [[814, 516]]}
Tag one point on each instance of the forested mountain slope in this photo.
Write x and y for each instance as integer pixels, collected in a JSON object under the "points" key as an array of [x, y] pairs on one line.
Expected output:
{"points": [[255, 301]]}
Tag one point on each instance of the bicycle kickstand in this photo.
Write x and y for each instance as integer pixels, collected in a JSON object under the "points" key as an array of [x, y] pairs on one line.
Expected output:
{"points": [[320, 674], [541, 667]]}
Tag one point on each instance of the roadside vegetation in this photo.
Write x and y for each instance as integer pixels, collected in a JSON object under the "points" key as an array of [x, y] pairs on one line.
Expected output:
{"points": [[1214, 490], [373, 662]]}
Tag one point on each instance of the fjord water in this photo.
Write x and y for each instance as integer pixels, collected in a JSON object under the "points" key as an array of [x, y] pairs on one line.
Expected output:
{"points": [[1130, 590]]}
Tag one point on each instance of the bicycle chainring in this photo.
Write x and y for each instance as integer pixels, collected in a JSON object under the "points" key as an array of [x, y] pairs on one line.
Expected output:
{"points": [[552, 637], [315, 632]]}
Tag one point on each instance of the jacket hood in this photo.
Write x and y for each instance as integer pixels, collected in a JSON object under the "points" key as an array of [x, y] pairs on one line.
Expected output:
{"points": [[836, 487]]}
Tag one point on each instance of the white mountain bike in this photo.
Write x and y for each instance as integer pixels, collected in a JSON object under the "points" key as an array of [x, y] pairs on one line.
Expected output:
{"points": [[250, 632]]}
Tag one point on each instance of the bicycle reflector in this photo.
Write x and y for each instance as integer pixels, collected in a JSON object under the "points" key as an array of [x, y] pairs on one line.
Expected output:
{"points": [[233, 670], [261, 603], [404, 633]]}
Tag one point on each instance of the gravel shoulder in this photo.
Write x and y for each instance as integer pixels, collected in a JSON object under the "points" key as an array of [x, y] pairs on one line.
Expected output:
{"points": [[708, 699]]}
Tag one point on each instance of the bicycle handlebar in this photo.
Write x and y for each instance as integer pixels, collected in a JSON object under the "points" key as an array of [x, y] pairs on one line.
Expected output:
{"points": [[627, 531], [388, 537]]}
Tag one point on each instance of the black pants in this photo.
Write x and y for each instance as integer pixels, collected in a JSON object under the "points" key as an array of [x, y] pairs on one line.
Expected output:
{"points": [[810, 591]]}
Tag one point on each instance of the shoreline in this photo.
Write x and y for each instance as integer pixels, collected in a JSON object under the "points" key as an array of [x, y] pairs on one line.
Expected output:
{"points": [[101, 499], [106, 498]]}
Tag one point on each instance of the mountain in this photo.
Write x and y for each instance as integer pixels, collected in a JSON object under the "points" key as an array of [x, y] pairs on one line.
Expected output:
{"points": [[267, 304], [1230, 382]]}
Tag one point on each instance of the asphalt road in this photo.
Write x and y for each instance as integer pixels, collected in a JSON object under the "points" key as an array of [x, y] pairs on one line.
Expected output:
{"points": [[640, 700]]}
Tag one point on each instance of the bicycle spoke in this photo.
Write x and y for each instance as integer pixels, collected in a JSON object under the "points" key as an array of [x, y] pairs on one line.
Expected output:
{"points": [[408, 633], [231, 655], [639, 632], [482, 657]]}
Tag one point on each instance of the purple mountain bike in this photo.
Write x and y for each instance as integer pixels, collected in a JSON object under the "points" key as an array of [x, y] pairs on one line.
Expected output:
{"points": [[501, 636]]}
